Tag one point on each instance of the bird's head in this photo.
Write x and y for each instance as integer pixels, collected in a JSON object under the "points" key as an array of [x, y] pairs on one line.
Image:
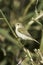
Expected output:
{"points": [[18, 25]]}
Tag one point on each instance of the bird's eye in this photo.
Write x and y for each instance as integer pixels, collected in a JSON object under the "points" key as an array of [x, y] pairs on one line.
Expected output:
{"points": [[17, 24]]}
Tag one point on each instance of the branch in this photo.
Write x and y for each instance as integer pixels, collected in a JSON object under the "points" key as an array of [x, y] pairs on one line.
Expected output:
{"points": [[35, 19], [4, 17], [28, 7]]}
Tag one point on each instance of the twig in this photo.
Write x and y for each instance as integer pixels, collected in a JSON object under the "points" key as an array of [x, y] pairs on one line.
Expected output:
{"points": [[3, 51], [8, 37], [41, 46], [1, 18], [29, 55], [40, 54], [28, 6], [34, 20], [36, 7], [38, 17], [7, 22]]}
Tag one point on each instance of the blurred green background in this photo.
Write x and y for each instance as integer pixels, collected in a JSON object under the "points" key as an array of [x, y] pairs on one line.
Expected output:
{"points": [[11, 48]]}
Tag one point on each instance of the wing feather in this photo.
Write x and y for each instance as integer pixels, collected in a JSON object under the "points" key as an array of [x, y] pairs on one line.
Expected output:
{"points": [[23, 31]]}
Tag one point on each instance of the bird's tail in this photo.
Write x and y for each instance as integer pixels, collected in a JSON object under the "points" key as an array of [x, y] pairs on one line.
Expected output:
{"points": [[33, 40], [36, 41]]}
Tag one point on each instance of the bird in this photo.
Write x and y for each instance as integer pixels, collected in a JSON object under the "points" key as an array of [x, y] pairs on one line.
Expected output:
{"points": [[22, 33]]}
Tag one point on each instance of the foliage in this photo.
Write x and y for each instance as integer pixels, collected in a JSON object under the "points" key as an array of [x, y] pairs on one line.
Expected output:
{"points": [[13, 50]]}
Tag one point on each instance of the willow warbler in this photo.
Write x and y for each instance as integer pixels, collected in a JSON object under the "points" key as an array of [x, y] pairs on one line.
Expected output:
{"points": [[23, 33]]}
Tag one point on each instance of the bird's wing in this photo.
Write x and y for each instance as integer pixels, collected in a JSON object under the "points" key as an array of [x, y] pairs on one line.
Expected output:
{"points": [[23, 31]]}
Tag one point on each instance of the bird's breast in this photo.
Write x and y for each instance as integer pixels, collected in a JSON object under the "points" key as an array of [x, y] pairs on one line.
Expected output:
{"points": [[23, 36]]}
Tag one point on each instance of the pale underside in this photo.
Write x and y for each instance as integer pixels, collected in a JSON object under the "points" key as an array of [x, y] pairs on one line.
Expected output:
{"points": [[22, 33]]}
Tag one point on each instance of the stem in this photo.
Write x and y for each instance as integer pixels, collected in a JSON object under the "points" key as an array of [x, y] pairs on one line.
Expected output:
{"points": [[1, 18], [34, 19], [28, 6], [29, 55], [7, 23], [41, 46], [38, 17], [40, 54]]}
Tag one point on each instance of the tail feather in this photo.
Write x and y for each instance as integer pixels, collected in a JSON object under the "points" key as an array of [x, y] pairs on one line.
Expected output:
{"points": [[36, 41], [33, 40]]}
